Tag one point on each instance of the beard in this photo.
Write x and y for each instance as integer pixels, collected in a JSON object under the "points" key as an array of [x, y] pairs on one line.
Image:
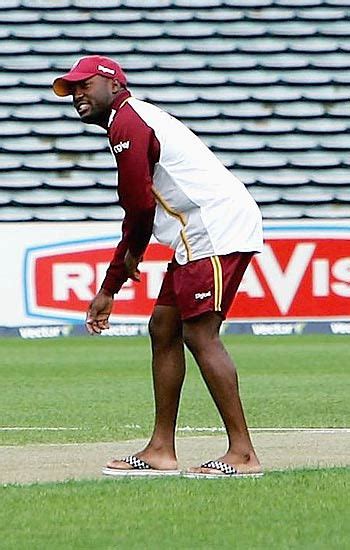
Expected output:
{"points": [[94, 115]]}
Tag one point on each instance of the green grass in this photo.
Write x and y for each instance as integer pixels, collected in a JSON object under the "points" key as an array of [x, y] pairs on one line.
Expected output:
{"points": [[103, 385], [300, 510]]}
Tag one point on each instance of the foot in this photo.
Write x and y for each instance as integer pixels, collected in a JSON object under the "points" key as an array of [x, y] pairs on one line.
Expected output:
{"points": [[243, 464], [157, 461]]}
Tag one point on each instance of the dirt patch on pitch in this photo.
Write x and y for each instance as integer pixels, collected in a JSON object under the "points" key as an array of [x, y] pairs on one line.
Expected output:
{"points": [[277, 451]]}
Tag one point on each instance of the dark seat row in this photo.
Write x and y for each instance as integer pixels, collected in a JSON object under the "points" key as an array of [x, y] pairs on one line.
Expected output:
{"points": [[130, 5], [111, 213], [126, 16], [239, 143], [316, 127], [77, 178]]}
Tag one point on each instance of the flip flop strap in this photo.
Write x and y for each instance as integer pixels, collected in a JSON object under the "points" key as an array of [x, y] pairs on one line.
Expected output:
{"points": [[136, 462], [221, 466]]}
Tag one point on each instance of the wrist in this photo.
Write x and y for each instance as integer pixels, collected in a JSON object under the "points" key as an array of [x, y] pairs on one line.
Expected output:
{"points": [[106, 292], [135, 254]]}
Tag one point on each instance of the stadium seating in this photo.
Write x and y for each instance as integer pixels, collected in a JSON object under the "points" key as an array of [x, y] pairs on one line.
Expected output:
{"points": [[265, 83]]}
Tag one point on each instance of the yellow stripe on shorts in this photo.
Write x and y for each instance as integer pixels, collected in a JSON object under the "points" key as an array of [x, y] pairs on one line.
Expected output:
{"points": [[217, 282]]}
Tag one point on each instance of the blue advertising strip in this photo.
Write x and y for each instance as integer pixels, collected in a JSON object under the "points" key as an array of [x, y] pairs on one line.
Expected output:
{"points": [[285, 328], [141, 329]]}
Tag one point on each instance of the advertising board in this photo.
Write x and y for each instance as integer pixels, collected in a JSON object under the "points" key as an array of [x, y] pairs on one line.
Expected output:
{"points": [[54, 270]]}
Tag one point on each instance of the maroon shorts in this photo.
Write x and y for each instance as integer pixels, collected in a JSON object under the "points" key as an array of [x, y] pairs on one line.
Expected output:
{"points": [[203, 285]]}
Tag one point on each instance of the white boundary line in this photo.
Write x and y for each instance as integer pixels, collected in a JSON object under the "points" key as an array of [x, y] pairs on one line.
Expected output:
{"points": [[215, 429], [35, 429], [307, 430], [184, 429], [269, 430]]}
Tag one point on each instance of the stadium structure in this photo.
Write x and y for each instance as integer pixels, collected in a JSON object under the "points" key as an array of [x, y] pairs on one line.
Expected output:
{"points": [[264, 83]]}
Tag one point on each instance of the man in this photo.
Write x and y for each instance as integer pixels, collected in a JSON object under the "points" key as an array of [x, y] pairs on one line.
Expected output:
{"points": [[172, 186]]}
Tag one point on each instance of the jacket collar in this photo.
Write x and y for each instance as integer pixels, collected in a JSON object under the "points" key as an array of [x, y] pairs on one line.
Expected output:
{"points": [[117, 104]]}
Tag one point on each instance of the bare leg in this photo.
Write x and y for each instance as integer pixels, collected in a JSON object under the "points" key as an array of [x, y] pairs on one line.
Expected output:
{"points": [[202, 338], [168, 367]]}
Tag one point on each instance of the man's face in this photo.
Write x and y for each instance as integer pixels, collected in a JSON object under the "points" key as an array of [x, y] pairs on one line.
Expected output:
{"points": [[92, 98]]}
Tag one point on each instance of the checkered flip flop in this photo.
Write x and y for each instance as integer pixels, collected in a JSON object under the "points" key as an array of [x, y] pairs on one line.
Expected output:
{"points": [[138, 468], [223, 470]]}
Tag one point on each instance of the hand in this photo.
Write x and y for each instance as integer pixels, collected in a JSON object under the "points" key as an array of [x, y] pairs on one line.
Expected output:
{"points": [[131, 264], [99, 312]]}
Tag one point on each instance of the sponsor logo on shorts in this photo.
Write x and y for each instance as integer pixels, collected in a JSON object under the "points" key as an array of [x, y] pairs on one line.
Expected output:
{"points": [[120, 146], [202, 295]]}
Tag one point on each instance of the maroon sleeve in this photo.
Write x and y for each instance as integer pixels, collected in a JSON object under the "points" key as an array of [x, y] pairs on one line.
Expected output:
{"points": [[115, 274], [136, 150]]}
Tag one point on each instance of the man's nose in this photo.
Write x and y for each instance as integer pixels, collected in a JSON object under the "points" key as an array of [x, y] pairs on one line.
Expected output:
{"points": [[77, 93]]}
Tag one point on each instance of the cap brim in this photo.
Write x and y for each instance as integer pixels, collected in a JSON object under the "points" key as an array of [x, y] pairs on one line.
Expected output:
{"points": [[62, 86]]}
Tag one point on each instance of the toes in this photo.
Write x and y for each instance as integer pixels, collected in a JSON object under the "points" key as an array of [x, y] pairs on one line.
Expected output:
{"points": [[118, 465]]}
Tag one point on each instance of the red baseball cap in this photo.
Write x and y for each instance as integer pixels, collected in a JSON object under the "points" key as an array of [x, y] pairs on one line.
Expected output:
{"points": [[85, 68]]}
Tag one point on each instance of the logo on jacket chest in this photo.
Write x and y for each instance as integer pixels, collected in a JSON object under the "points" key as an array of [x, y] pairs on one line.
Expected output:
{"points": [[121, 146]]}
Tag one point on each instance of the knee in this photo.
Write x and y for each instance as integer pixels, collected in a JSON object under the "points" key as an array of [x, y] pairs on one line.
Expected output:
{"points": [[201, 335], [154, 328], [200, 342], [207, 349], [194, 340], [162, 333]]}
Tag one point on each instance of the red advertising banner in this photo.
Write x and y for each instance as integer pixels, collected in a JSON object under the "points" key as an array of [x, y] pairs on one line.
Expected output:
{"points": [[303, 273]]}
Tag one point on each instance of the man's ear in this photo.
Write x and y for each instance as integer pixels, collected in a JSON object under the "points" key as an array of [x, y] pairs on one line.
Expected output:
{"points": [[116, 86]]}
